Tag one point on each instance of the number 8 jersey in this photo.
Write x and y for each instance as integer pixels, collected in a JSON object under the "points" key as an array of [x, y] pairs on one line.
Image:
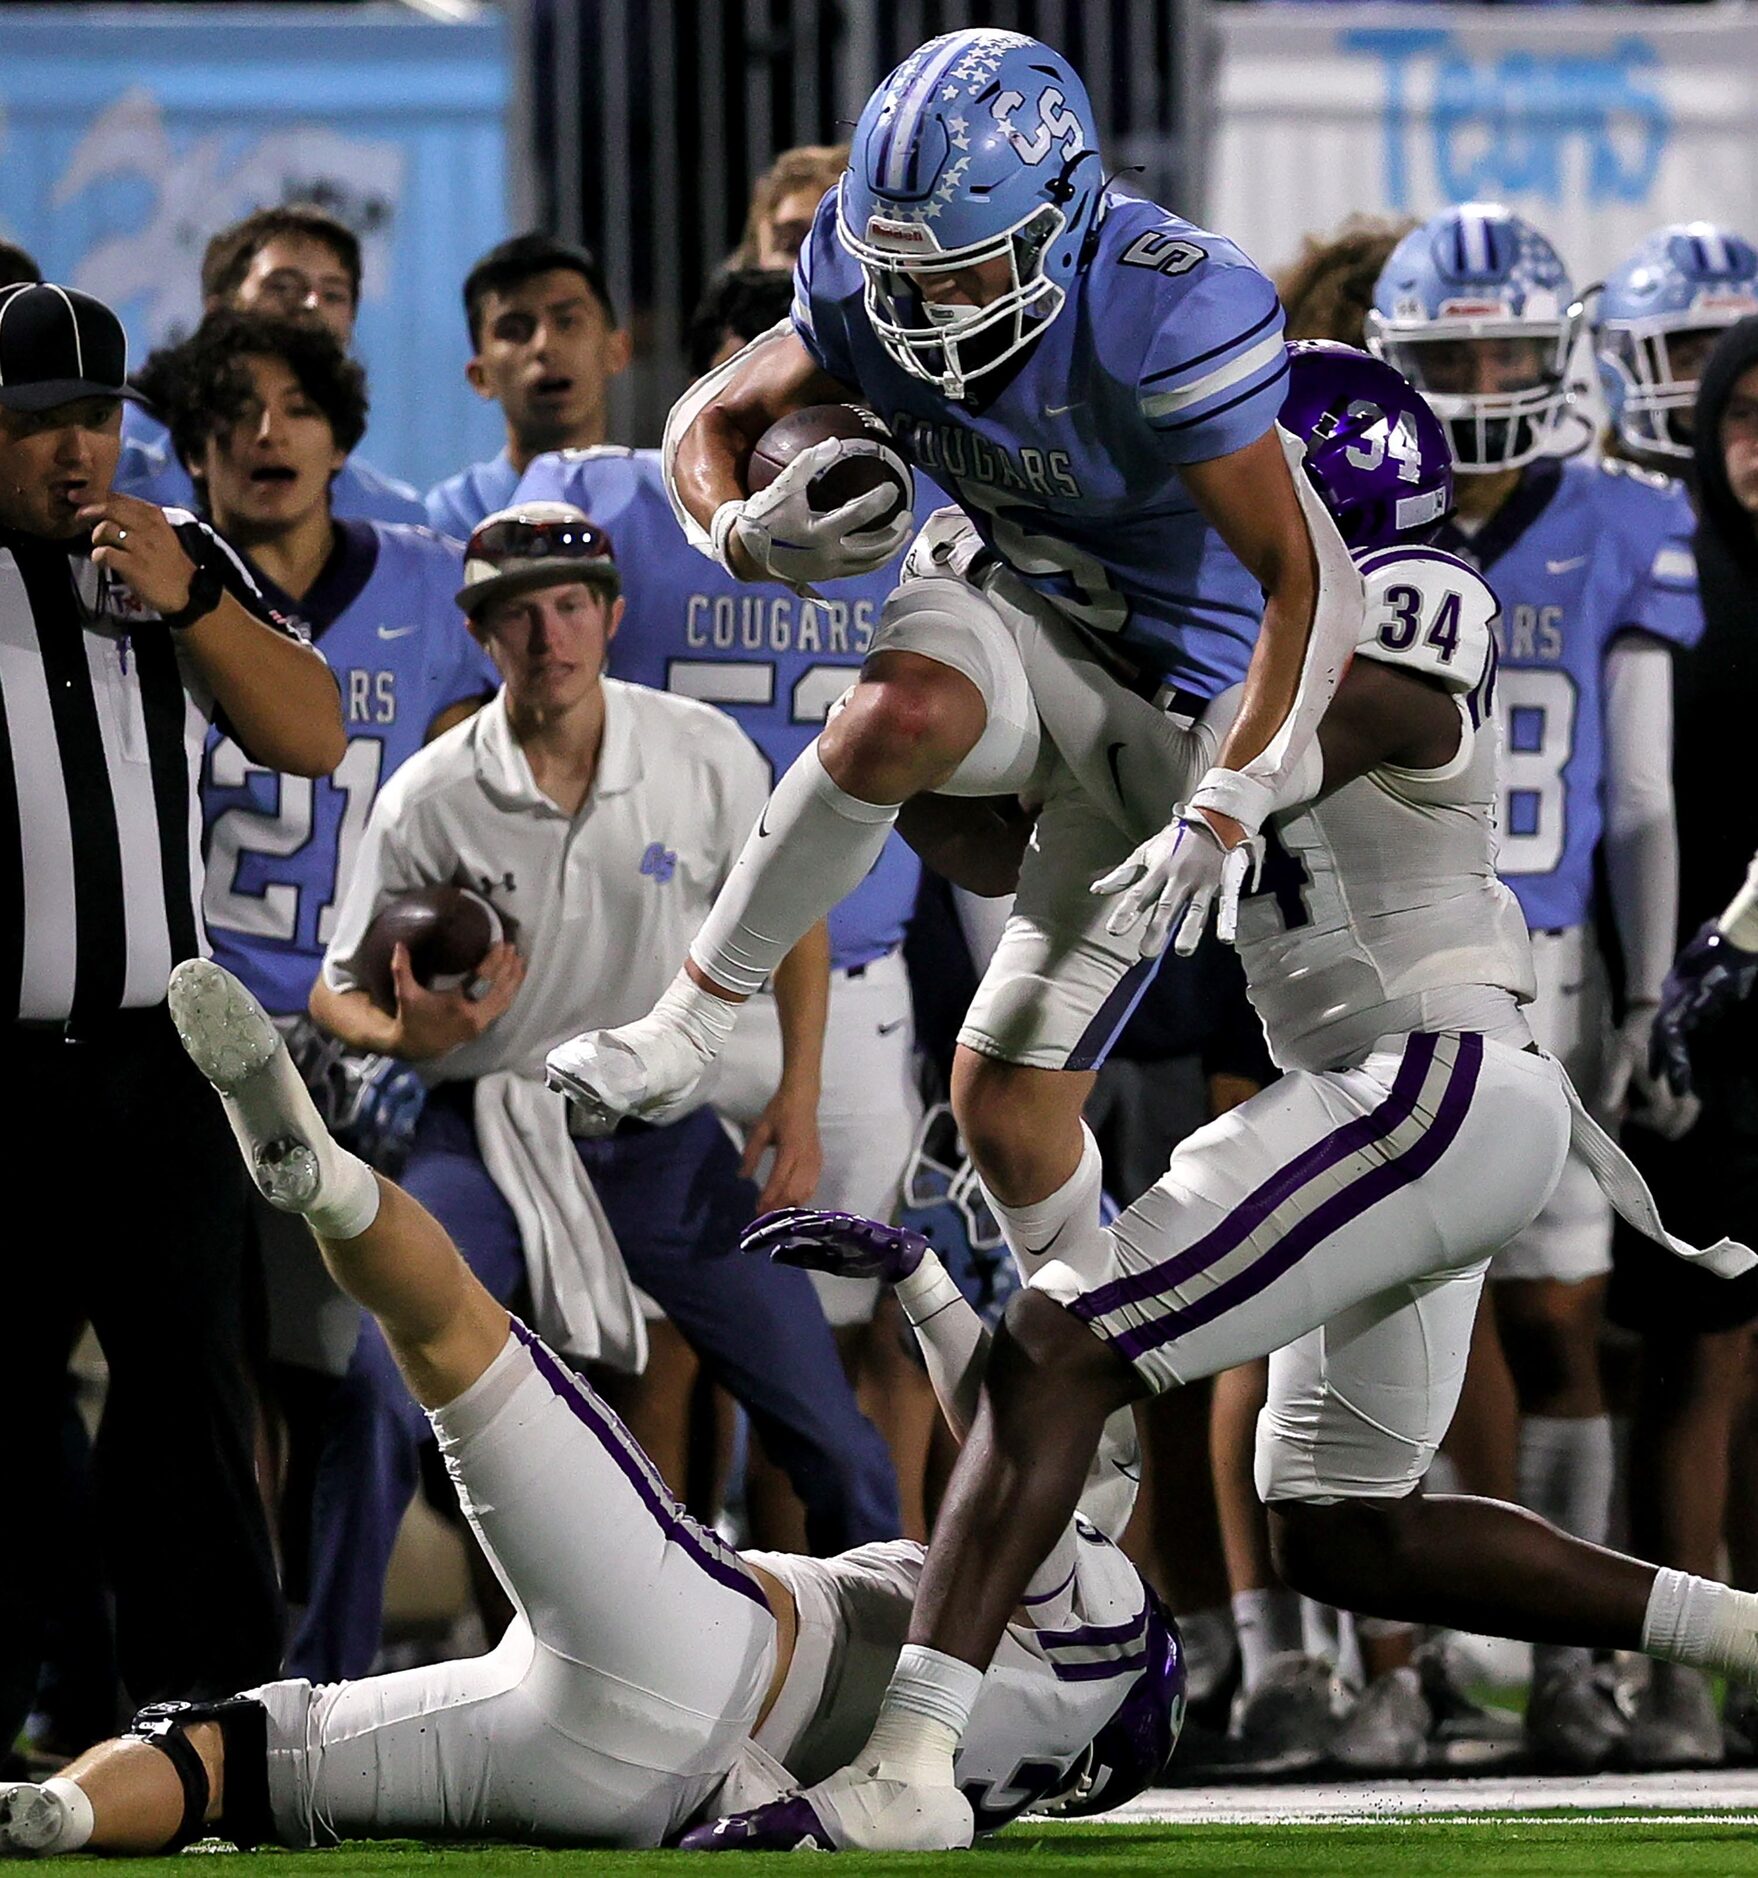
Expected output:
{"points": [[1379, 910], [1580, 553]]}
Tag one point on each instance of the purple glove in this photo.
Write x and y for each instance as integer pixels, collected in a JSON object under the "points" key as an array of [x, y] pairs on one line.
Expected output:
{"points": [[1707, 980], [789, 1825], [843, 1244]]}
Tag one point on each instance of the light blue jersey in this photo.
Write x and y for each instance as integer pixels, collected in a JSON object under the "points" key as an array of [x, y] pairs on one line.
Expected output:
{"points": [[478, 491], [149, 468], [279, 848], [1581, 552], [1168, 352], [774, 661]]}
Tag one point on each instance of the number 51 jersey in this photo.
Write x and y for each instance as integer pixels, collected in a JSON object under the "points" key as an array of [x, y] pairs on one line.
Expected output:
{"points": [[1581, 552], [1379, 910]]}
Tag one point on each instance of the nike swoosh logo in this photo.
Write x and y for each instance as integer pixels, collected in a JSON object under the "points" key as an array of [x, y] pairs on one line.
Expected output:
{"points": [[1061, 410], [762, 824], [1564, 567], [1113, 752], [395, 632], [1038, 1251], [885, 1030]]}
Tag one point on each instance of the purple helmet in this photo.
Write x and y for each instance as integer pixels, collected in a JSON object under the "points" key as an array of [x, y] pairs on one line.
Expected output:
{"points": [[1376, 454]]}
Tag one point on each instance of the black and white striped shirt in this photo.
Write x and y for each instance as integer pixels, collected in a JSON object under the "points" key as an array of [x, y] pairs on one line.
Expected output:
{"points": [[102, 723]]}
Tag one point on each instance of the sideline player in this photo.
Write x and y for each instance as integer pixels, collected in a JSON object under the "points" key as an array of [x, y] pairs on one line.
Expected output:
{"points": [[1591, 562], [264, 410], [1341, 1219], [652, 1675], [294, 261], [1096, 382]]}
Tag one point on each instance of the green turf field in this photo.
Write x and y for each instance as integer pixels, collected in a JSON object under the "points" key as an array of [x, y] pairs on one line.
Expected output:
{"points": [[1477, 1846]]}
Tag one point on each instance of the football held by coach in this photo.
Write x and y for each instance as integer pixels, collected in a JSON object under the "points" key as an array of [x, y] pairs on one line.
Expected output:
{"points": [[124, 632]]}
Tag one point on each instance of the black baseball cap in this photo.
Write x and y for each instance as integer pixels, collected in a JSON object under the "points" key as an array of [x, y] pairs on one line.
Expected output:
{"points": [[58, 345]]}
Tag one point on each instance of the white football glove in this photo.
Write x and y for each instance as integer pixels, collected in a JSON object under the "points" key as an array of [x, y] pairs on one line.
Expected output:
{"points": [[1628, 1092], [1181, 873], [791, 541]]}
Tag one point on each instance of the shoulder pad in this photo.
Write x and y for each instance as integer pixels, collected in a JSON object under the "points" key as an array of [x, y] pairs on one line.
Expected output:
{"points": [[1636, 472], [1427, 612]]}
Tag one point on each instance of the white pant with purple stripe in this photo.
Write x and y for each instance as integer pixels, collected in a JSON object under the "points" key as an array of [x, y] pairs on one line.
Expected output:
{"points": [[618, 1701], [1341, 1220]]}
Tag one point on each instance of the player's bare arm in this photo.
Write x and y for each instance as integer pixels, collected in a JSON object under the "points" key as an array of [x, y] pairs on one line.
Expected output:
{"points": [[1383, 715], [424, 1024], [777, 376], [1249, 498]]}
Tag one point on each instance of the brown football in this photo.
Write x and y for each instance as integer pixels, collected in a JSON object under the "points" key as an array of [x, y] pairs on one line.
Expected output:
{"points": [[448, 931], [842, 482]]}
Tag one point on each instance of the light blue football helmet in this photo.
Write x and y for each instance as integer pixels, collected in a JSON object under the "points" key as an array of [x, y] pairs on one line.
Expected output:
{"points": [[1476, 309], [1658, 316], [980, 146]]}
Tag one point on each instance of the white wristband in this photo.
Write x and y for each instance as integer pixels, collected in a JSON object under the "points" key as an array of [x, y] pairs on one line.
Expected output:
{"points": [[926, 1291], [720, 526], [1232, 792]]}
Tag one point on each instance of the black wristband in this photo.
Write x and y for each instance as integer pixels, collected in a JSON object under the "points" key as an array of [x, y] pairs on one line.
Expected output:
{"points": [[206, 591]]}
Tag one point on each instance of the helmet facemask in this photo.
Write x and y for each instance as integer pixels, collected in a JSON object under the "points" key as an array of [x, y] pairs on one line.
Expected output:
{"points": [[948, 345], [1488, 430], [1658, 362]]}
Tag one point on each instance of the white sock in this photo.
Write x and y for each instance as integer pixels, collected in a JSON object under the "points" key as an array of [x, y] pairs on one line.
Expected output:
{"points": [[1268, 1624], [1209, 1649], [1566, 1466], [76, 1816], [1702, 1624], [922, 1718], [813, 846], [1056, 1227]]}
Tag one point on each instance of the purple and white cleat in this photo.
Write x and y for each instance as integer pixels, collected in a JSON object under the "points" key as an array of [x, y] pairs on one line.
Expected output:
{"points": [[847, 1245], [849, 1812]]}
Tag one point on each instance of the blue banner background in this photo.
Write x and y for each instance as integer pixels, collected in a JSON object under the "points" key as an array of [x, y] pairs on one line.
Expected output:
{"points": [[128, 135]]}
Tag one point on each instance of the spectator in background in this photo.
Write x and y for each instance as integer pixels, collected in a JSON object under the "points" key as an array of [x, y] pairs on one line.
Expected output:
{"points": [[545, 345], [126, 636], [600, 817], [1697, 1331], [776, 663], [1328, 287], [17, 267], [298, 262], [783, 202]]}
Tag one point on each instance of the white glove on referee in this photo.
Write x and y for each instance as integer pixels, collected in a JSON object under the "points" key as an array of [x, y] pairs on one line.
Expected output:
{"points": [[779, 529]]}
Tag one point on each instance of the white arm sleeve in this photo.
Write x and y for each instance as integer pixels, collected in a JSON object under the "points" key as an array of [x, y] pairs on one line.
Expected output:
{"points": [[1740, 922], [953, 1341], [1641, 834], [685, 412]]}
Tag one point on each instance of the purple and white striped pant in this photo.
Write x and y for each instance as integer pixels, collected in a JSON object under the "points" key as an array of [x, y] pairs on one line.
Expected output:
{"points": [[1342, 1218]]}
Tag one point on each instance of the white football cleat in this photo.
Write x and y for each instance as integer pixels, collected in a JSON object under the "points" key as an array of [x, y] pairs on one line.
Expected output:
{"points": [[649, 1070], [31, 1818], [291, 1155]]}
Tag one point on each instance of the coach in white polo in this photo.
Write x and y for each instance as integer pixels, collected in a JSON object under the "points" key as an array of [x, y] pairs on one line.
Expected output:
{"points": [[601, 818]]}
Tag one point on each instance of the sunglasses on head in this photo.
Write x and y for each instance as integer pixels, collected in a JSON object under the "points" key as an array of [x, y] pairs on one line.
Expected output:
{"points": [[512, 538]]}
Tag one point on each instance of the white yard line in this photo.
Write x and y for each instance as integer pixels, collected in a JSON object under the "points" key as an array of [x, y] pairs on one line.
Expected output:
{"points": [[1697, 1799]]}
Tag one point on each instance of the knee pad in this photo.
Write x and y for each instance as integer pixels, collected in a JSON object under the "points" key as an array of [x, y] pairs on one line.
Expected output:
{"points": [[243, 1722], [947, 620]]}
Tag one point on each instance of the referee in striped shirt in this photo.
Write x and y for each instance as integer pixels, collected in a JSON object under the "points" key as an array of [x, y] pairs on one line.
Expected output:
{"points": [[125, 630]]}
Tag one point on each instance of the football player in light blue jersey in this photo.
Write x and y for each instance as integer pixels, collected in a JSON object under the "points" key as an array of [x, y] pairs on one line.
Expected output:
{"points": [[1657, 319], [264, 410], [1592, 564], [295, 261], [544, 345], [1096, 383]]}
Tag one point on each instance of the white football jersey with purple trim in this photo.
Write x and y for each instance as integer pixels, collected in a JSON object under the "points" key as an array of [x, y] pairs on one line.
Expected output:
{"points": [[1379, 910]]}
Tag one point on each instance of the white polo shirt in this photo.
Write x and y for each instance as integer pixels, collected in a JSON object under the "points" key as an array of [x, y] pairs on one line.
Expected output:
{"points": [[607, 901]]}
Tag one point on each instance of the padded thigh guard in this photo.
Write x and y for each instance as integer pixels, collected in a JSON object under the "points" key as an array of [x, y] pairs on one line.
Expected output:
{"points": [[1431, 613], [244, 1815]]}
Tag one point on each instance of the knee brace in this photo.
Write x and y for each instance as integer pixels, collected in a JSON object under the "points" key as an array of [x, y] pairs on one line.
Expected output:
{"points": [[243, 1722]]}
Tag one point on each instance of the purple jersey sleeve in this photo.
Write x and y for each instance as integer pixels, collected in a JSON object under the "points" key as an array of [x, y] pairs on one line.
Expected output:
{"points": [[1214, 371]]}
